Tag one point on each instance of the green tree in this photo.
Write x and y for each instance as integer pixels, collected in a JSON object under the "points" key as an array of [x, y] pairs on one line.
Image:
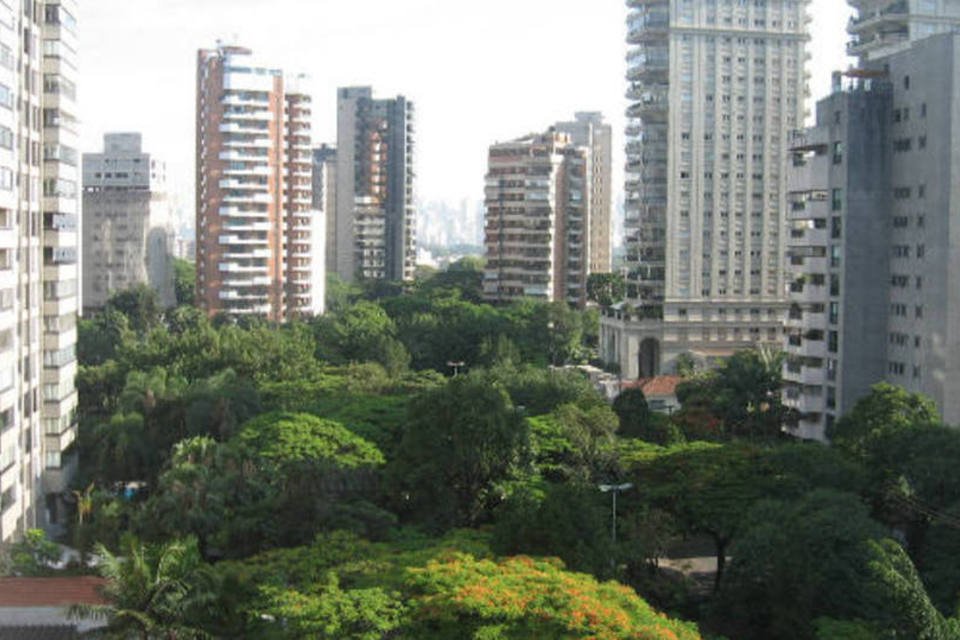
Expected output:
{"points": [[141, 306], [150, 590], [575, 444], [606, 288], [31, 556], [570, 521], [886, 411], [328, 612], [461, 443], [796, 562], [634, 414], [184, 281]]}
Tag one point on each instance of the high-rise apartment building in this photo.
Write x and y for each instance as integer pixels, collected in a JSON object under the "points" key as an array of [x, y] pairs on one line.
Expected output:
{"points": [[882, 160], [838, 255], [128, 224], [538, 195], [715, 87], [588, 129], [375, 213], [39, 260], [325, 197], [259, 243], [885, 27]]}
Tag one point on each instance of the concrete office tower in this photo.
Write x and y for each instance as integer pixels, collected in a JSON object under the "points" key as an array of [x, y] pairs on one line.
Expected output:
{"points": [[39, 261], [325, 197], [894, 194], [254, 184], [838, 183], [885, 27], [537, 199], [715, 88], [589, 130], [375, 213], [128, 223]]}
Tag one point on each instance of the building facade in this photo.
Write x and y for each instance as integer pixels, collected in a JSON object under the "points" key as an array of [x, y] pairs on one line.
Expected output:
{"points": [[588, 129], [375, 213], [128, 230], [714, 88], [885, 27], [39, 261], [895, 193], [325, 197], [538, 204], [257, 250], [838, 254]]}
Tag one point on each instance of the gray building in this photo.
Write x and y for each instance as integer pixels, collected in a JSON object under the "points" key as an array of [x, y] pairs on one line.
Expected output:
{"points": [[375, 226], [128, 234], [895, 190], [325, 198], [838, 257]]}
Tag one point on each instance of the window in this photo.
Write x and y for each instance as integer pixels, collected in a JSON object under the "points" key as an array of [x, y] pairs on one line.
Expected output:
{"points": [[837, 199], [836, 228], [833, 342], [6, 97], [834, 312]]}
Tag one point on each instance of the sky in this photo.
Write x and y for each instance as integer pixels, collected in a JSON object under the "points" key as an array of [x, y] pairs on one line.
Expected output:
{"points": [[479, 72]]}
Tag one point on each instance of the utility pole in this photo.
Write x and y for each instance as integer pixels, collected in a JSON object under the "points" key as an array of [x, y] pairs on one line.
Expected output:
{"points": [[615, 489]]}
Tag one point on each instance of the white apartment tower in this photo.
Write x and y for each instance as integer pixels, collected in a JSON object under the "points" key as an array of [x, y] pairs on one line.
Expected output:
{"points": [[715, 87], [538, 210], [128, 230], [39, 260], [258, 252]]}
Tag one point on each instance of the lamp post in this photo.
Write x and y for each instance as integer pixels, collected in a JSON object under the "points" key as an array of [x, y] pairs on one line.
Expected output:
{"points": [[615, 489], [456, 365]]}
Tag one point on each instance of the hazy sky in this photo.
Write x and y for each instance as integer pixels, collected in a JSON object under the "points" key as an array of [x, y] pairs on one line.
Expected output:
{"points": [[478, 71]]}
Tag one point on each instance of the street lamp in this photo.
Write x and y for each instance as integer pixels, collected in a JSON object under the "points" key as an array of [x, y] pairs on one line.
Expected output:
{"points": [[615, 489], [456, 365]]}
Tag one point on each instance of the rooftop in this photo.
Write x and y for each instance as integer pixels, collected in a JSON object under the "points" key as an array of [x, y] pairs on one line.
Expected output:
{"points": [[51, 592], [658, 386]]}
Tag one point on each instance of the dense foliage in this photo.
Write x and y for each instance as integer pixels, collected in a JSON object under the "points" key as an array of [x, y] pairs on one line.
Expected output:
{"points": [[419, 464]]}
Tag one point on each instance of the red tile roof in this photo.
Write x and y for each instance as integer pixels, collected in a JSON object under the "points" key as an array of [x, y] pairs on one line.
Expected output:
{"points": [[50, 592], [655, 387]]}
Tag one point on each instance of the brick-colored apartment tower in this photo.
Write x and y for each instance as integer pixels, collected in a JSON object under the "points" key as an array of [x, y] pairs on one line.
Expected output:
{"points": [[257, 253]]}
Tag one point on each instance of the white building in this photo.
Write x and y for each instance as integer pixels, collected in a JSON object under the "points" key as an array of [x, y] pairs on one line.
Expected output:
{"points": [[128, 234], [39, 260], [715, 88]]}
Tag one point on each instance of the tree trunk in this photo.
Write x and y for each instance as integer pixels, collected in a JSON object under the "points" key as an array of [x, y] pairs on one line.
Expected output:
{"points": [[721, 547]]}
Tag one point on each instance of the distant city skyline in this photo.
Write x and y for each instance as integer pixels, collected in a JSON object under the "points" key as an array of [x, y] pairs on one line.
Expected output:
{"points": [[461, 63]]}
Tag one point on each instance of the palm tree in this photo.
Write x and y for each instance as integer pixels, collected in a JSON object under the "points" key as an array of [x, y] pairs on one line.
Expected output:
{"points": [[149, 589]]}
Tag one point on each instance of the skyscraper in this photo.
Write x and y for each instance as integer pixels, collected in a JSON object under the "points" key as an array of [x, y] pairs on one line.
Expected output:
{"points": [[258, 249], [39, 261], [715, 88], [128, 232], [589, 130], [375, 212], [874, 186], [538, 208]]}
